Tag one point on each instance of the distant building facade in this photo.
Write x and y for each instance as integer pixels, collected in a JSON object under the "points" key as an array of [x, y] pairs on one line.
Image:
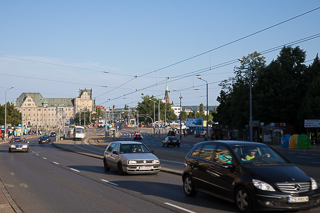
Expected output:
{"points": [[48, 112]]}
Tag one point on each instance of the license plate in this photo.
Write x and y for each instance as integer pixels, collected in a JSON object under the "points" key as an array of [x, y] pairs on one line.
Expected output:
{"points": [[298, 199], [174, 141], [145, 168], [18, 148]]}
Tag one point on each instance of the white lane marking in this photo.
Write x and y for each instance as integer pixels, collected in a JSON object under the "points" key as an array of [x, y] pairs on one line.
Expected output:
{"points": [[55, 162], [178, 207], [109, 182], [315, 162], [37, 154], [303, 157], [74, 170], [44, 158], [171, 161]]}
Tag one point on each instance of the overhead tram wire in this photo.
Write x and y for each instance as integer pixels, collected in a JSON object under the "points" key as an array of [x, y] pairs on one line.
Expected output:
{"points": [[179, 77], [44, 79], [290, 19], [61, 65], [242, 38]]}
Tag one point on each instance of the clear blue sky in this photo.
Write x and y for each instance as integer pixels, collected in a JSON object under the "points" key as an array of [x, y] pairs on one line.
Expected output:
{"points": [[76, 41]]}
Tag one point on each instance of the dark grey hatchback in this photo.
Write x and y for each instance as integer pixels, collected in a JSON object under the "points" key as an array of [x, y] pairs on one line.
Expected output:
{"points": [[252, 175]]}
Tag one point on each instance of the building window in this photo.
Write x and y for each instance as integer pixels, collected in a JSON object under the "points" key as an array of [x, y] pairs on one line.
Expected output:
{"points": [[29, 99], [34, 114], [29, 109], [29, 104], [34, 109], [45, 109]]}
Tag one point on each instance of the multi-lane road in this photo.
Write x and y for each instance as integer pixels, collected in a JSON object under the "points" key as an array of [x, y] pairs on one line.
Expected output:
{"points": [[48, 179]]}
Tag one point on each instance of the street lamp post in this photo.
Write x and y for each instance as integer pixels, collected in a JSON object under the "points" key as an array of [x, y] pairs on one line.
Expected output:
{"points": [[207, 133], [180, 114], [5, 114], [38, 115], [80, 118], [250, 86]]}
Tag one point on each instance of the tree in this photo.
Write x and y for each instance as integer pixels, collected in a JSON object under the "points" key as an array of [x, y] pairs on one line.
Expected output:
{"points": [[13, 115]]}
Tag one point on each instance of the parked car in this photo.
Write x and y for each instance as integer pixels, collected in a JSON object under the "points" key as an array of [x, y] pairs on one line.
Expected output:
{"points": [[171, 140], [53, 134], [130, 157], [252, 175], [44, 139], [19, 144]]}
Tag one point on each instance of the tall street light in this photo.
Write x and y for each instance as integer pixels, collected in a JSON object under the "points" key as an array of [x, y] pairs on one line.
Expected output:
{"points": [[38, 115], [180, 114], [5, 113], [250, 120], [154, 112], [207, 133]]}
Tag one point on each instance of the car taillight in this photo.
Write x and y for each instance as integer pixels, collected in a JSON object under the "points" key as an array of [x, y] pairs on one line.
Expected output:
{"points": [[178, 141], [169, 141]]}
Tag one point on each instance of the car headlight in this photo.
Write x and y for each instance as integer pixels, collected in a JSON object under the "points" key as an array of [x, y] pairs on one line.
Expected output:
{"points": [[262, 185], [132, 162], [13, 146], [24, 146], [314, 184], [156, 161]]}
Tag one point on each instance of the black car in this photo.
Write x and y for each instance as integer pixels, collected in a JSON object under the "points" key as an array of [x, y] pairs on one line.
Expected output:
{"points": [[252, 175], [53, 134], [171, 140], [137, 137], [44, 139]]}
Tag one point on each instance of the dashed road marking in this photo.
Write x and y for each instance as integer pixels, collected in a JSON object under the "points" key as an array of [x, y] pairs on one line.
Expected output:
{"points": [[55, 162], [178, 207], [74, 170], [44, 158], [109, 182]]}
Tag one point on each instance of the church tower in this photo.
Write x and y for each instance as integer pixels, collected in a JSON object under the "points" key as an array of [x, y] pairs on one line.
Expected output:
{"points": [[166, 95]]}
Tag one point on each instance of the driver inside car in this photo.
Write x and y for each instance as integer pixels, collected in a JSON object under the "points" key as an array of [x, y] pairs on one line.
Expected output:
{"points": [[252, 155]]}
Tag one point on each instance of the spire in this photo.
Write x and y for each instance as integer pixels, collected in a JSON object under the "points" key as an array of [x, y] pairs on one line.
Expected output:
{"points": [[166, 94]]}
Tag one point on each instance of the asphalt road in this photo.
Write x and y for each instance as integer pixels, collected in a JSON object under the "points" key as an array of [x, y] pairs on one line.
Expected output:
{"points": [[48, 179]]}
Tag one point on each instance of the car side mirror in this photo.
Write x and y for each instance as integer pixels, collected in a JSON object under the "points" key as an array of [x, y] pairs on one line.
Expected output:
{"points": [[115, 152], [152, 151]]}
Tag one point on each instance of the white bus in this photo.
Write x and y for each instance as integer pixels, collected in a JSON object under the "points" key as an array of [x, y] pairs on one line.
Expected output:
{"points": [[79, 132]]}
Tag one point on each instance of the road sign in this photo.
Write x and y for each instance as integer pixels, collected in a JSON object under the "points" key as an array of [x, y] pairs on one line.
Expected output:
{"points": [[312, 123]]}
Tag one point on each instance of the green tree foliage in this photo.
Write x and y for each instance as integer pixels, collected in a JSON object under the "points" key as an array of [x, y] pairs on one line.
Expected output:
{"points": [[283, 91], [149, 104], [13, 115]]}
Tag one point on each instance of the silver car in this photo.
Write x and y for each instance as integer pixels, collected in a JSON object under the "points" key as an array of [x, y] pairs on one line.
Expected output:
{"points": [[19, 144], [130, 157]]}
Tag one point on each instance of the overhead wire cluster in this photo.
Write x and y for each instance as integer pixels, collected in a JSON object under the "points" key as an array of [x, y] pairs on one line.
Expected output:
{"points": [[178, 77]]}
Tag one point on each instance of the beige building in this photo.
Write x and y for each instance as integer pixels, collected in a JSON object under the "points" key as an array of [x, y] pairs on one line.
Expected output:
{"points": [[49, 112]]}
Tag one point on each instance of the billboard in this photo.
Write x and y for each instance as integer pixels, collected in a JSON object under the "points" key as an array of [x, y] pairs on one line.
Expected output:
{"points": [[194, 122], [312, 123]]}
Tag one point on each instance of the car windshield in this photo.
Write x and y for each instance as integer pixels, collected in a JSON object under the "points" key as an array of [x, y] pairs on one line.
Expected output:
{"points": [[257, 154], [18, 140], [133, 148]]}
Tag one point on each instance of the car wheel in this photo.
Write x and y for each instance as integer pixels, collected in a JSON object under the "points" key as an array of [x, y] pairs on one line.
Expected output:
{"points": [[162, 144], [179, 146], [10, 150], [120, 170], [105, 165], [174, 145], [167, 145], [243, 201], [188, 186]]}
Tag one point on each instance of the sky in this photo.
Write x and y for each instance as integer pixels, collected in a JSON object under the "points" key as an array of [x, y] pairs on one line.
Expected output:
{"points": [[127, 49]]}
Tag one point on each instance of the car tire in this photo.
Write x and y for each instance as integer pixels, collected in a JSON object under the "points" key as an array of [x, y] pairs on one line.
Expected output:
{"points": [[243, 201], [162, 144], [105, 165], [167, 145], [179, 146], [188, 186], [120, 170], [174, 145]]}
